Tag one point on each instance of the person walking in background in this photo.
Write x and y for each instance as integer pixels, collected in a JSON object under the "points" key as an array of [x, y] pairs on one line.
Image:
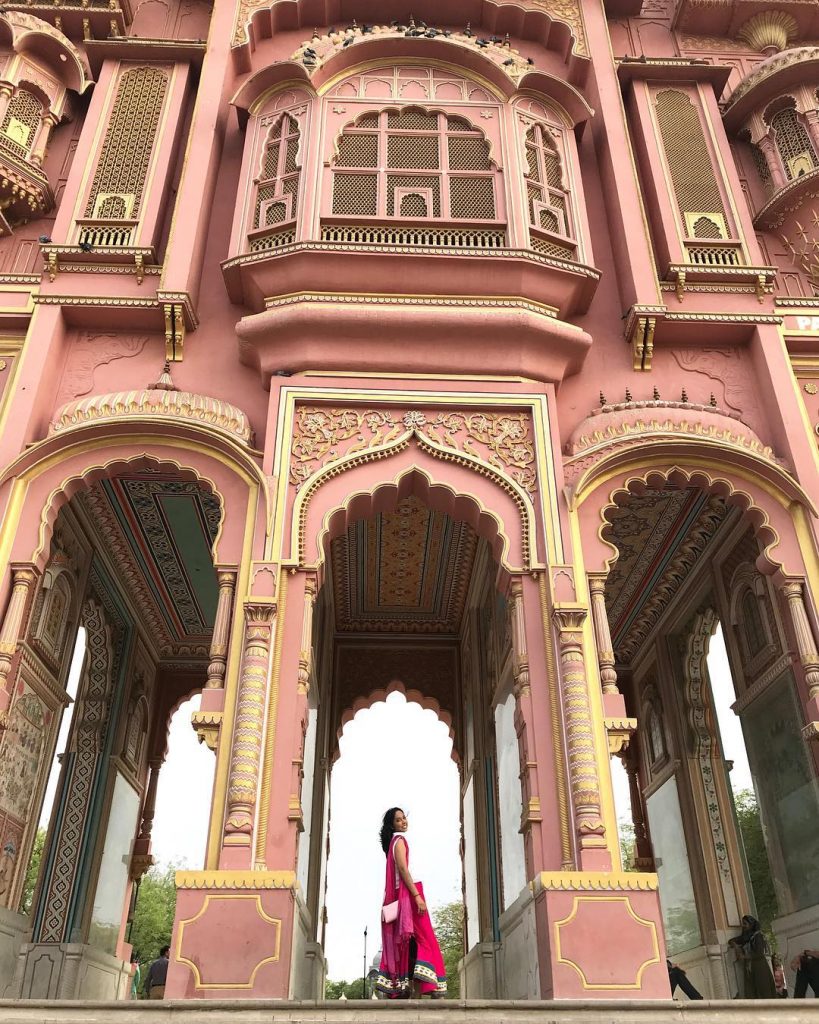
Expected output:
{"points": [[136, 976], [752, 949], [677, 978], [157, 974], [410, 953], [806, 966], [780, 981]]}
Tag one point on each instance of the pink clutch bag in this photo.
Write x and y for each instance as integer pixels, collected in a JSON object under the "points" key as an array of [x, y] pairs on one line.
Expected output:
{"points": [[389, 912]]}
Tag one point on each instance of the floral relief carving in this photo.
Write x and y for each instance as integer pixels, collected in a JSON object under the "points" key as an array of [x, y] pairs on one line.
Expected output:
{"points": [[324, 435], [89, 352]]}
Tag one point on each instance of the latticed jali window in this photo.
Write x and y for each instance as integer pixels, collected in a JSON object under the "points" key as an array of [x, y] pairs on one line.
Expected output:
{"points": [[21, 123], [793, 142], [414, 164], [277, 192], [550, 221], [696, 190], [125, 156]]}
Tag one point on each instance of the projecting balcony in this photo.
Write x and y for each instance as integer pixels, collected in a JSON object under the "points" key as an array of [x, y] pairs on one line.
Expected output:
{"points": [[24, 191], [404, 257]]}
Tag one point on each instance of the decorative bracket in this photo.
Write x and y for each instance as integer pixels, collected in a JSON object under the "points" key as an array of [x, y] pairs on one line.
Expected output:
{"points": [[619, 732], [641, 322], [206, 725]]}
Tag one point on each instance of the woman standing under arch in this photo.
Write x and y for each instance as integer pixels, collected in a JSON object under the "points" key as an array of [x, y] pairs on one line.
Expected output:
{"points": [[410, 951]]}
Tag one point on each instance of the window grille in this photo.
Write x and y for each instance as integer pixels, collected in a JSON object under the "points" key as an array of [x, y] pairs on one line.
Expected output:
{"points": [[793, 143], [549, 203], [762, 168], [277, 190], [413, 163], [125, 155], [21, 123], [686, 152]]}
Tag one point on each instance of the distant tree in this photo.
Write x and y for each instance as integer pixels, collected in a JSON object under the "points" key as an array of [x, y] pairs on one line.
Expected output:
{"points": [[153, 915], [449, 927], [759, 869], [348, 989], [33, 871], [627, 850]]}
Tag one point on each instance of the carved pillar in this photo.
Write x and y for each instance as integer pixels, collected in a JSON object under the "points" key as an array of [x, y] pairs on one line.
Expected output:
{"points": [[141, 858], [812, 125], [805, 643], [519, 649], [605, 648], [644, 854], [247, 738], [39, 144], [583, 775], [22, 580], [221, 629], [774, 160], [306, 651]]}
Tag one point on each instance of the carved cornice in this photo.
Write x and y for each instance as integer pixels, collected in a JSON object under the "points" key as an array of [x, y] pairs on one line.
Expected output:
{"points": [[594, 881], [762, 83], [152, 404]]}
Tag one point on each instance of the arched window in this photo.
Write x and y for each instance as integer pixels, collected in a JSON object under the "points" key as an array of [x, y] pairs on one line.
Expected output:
{"points": [[549, 206], [277, 193], [21, 123], [415, 164], [793, 143]]}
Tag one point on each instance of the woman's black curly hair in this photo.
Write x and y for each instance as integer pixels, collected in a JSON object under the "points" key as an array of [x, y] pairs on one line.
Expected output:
{"points": [[388, 827]]}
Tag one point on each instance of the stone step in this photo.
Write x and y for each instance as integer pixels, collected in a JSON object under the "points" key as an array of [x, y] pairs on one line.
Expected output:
{"points": [[785, 1011]]}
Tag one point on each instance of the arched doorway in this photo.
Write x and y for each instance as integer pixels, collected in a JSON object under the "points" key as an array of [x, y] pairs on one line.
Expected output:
{"points": [[125, 552], [412, 595], [689, 552]]}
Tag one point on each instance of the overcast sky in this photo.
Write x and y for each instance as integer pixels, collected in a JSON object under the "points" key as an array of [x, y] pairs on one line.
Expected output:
{"points": [[393, 754]]}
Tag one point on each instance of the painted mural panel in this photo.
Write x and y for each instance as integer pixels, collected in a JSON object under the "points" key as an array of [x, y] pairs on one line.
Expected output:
{"points": [[20, 756]]}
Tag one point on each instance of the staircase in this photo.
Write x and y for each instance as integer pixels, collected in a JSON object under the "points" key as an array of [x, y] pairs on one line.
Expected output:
{"points": [[785, 1011]]}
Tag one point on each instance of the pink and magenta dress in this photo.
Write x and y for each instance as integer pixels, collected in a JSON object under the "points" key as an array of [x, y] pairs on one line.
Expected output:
{"points": [[409, 948]]}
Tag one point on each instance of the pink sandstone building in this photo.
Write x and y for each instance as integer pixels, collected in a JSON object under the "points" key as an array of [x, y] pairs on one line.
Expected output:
{"points": [[469, 349]]}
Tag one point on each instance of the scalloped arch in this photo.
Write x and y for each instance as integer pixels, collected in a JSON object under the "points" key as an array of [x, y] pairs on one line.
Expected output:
{"points": [[721, 486], [413, 480], [380, 696], [62, 494]]}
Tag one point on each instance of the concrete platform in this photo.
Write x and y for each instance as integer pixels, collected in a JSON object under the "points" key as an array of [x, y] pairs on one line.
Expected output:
{"points": [[785, 1011]]}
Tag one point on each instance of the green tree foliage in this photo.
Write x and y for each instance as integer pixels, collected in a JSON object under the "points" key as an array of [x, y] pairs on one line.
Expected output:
{"points": [[153, 916], [449, 928], [750, 827], [348, 989], [627, 850], [30, 884]]}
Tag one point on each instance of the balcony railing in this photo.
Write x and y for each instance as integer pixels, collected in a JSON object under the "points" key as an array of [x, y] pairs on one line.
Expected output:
{"points": [[107, 234]]}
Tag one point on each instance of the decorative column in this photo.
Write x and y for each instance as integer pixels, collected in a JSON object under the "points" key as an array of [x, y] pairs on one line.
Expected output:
{"points": [[221, 629], [306, 652], [812, 125], [771, 154], [141, 859], [583, 775], [247, 738], [39, 145], [808, 654], [644, 854], [520, 667], [605, 648], [22, 580]]}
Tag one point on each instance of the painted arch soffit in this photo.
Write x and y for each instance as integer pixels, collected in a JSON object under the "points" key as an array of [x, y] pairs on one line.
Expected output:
{"points": [[159, 532], [403, 571], [660, 536]]}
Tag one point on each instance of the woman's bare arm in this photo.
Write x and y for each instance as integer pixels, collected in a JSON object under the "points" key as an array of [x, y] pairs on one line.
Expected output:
{"points": [[400, 854]]}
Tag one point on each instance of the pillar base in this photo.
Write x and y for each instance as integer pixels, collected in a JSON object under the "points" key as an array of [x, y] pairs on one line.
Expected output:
{"points": [[232, 935], [600, 936]]}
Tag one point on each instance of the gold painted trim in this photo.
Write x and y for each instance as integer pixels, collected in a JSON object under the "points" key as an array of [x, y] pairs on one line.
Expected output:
{"points": [[273, 958], [578, 900], [272, 719], [595, 881], [418, 62], [236, 879]]}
